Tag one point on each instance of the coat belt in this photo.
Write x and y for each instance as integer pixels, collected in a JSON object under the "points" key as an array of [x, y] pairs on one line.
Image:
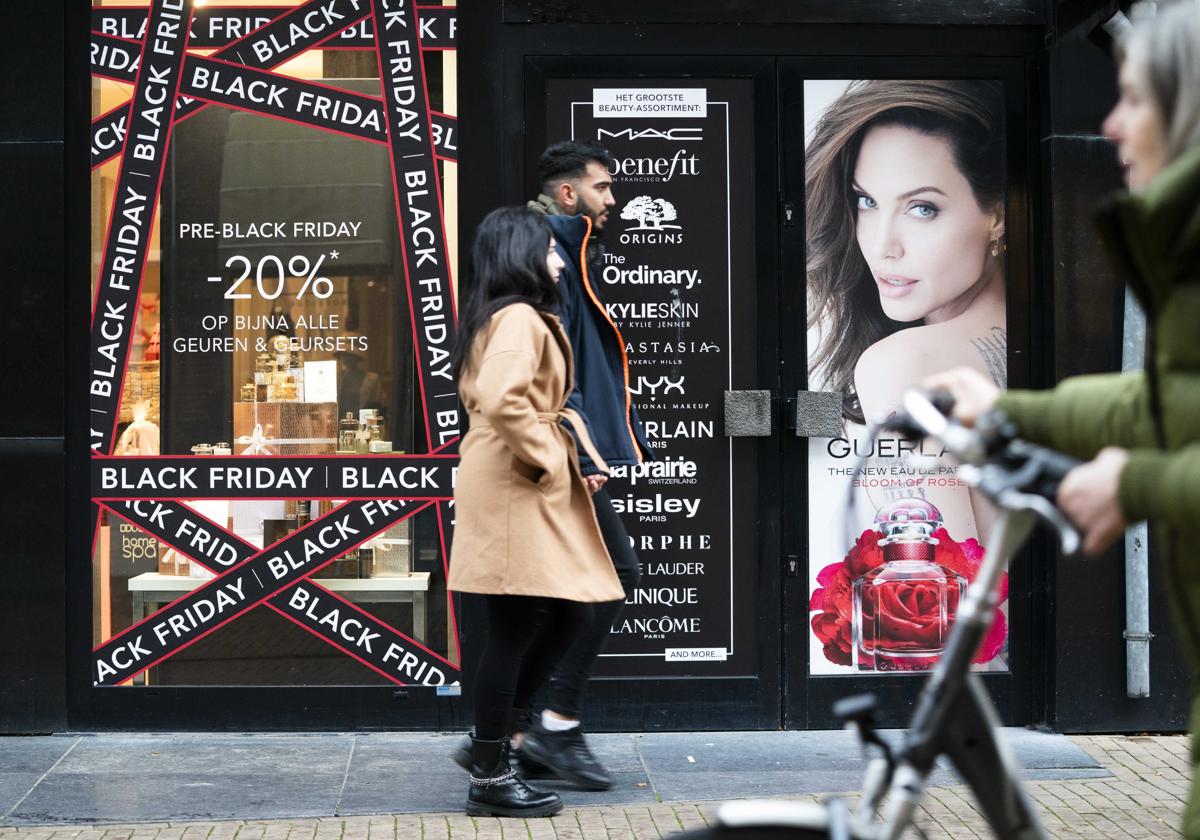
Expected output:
{"points": [[554, 418]]}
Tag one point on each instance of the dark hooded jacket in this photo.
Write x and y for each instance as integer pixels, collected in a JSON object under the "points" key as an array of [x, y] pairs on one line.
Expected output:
{"points": [[601, 393]]}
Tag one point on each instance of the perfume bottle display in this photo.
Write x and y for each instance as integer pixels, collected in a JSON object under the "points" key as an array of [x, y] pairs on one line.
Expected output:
{"points": [[902, 610]]}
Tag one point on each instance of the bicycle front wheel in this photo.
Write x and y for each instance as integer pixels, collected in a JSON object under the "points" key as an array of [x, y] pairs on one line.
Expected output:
{"points": [[718, 832]]}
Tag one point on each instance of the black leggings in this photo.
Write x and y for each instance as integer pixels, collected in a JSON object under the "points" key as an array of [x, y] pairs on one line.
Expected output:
{"points": [[571, 674], [526, 636]]}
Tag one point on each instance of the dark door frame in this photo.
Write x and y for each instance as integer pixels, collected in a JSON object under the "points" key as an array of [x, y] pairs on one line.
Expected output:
{"points": [[808, 699], [681, 702]]}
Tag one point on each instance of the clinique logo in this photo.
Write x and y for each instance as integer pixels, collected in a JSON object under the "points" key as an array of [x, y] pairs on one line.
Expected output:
{"points": [[679, 134]]}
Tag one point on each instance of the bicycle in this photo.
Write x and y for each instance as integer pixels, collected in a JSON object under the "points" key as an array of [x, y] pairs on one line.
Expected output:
{"points": [[953, 715]]}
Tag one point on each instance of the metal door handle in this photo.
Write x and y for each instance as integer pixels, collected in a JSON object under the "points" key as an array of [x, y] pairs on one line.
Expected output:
{"points": [[808, 414], [815, 414], [748, 413]]}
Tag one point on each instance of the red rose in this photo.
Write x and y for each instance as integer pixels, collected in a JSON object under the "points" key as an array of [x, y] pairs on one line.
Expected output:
{"points": [[908, 612]]}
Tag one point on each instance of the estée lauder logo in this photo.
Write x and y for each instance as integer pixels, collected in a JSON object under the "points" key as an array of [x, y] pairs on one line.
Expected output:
{"points": [[691, 133]]}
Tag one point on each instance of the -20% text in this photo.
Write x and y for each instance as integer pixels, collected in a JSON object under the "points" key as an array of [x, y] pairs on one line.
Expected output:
{"points": [[270, 277]]}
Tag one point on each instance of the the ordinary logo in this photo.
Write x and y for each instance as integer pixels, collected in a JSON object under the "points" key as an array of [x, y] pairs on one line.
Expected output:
{"points": [[643, 275]]}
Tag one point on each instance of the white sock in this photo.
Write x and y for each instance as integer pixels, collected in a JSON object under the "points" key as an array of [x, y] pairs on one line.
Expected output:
{"points": [[557, 724]]}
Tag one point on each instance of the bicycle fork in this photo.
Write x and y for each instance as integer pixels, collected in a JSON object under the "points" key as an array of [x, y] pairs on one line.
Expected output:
{"points": [[955, 717]]}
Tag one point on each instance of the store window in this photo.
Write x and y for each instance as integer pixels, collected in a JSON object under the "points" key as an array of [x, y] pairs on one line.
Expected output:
{"points": [[256, 358]]}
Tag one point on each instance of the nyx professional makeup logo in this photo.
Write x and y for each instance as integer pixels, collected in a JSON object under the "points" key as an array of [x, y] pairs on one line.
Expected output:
{"points": [[661, 386]]}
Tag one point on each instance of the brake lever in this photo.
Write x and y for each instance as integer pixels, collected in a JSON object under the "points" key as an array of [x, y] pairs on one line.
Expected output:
{"points": [[1068, 538]]}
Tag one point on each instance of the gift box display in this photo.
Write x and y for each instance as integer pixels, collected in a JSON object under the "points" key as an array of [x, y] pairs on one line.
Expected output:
{"points": [[140, 388], [285, 428], [391, 552]]}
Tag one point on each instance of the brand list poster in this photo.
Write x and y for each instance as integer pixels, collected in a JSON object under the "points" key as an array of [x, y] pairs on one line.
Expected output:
{"points": [[677, 277]]}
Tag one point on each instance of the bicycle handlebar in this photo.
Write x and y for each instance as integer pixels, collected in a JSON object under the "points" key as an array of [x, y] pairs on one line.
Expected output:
{"points": [[1014, 473]]}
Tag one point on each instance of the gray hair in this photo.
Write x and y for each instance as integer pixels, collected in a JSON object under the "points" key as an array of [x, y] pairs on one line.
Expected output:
{"points": [[1166, 50]]}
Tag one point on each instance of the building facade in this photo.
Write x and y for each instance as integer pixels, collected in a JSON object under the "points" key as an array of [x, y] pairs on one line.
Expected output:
{"points": [[230, 494]]}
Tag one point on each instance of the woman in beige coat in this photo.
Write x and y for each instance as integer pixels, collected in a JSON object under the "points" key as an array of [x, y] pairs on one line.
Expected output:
{"points": [[526, 535]]}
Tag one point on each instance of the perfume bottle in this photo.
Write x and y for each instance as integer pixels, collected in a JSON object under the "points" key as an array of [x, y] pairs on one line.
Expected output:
{"points": [[902, 611], [347, 433], [262, 370]]}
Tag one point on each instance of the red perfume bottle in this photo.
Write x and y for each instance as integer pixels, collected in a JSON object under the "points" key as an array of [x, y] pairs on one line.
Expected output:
{"points": [[902, 610]]}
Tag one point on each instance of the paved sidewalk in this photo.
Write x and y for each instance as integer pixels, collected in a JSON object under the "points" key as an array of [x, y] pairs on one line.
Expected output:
{"points": [[1131, 787]]}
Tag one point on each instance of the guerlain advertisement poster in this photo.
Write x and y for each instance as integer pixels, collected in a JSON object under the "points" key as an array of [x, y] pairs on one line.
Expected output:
{"points": [[905, 189]]}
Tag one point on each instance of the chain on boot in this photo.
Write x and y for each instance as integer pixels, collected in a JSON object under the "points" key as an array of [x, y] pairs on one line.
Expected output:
{"points": [[497, 790]]}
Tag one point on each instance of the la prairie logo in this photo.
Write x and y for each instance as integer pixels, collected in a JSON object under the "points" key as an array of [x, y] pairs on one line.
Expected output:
{"points": [[650, 214]]}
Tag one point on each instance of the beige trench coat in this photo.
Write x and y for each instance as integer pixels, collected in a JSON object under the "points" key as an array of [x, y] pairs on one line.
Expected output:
{"points": [[524, 521]]}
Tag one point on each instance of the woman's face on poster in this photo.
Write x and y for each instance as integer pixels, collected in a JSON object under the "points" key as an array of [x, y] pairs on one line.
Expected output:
{"points": [[921, 231]]}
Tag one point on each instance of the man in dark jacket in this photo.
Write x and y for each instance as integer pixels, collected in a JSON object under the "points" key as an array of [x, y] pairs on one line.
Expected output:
{"points": [[576, 198]]}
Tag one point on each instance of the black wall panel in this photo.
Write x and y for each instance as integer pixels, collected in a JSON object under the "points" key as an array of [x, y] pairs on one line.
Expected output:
{"points": [[32, 497], [1086, 299]]}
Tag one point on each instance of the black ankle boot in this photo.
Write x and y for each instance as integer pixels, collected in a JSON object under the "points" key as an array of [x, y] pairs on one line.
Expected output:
{"points": [[566, 755], [497, 790], [517, 760]]}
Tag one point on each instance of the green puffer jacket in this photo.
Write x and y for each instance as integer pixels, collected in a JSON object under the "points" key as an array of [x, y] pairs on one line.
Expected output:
{"points": [[1154, 240]]}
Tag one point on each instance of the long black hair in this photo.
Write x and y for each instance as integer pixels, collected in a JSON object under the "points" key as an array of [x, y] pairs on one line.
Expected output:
{"points": [[508, 265]]}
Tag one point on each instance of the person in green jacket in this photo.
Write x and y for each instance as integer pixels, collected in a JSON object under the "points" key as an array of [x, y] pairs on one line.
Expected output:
{"points": [[1139, 433]]}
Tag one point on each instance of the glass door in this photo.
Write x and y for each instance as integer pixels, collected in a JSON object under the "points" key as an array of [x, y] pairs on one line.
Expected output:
{"points": [[904, 253]]}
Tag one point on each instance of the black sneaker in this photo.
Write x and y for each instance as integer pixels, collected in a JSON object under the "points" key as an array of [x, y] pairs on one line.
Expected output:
{"points": [[566, 755], [520, 762]]}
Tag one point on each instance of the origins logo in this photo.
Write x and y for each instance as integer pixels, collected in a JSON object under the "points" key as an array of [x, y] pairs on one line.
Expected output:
{"points": [[652, 218], [650, 213]]}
